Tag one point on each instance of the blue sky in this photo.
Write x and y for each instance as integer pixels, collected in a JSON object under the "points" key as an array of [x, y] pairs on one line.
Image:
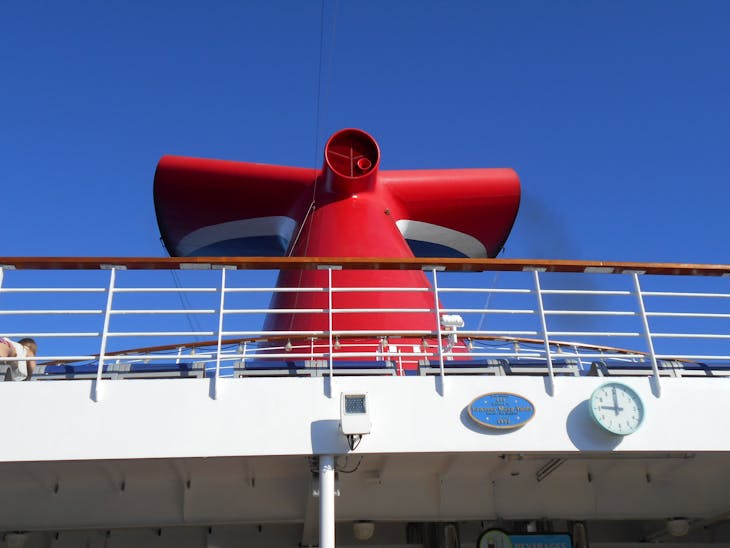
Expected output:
{"points": [[616, 114]]}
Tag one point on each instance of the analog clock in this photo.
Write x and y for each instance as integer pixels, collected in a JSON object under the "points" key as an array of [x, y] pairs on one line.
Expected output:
{"points": [[494, 538], [617, 408]]}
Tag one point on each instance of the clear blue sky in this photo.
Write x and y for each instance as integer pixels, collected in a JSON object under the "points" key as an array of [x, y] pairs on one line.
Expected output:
{"points": [[616, 114]]}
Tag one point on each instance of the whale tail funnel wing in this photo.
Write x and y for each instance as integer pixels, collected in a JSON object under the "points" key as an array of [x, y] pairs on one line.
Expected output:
{"points": [[455, 212], [222, 208]]}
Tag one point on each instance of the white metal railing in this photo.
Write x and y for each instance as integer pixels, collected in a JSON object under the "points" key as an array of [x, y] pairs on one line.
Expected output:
{"points": [[532, 326]]}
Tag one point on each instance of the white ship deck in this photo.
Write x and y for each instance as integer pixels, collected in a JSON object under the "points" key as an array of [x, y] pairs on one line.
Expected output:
{"points": [[209, 437]]}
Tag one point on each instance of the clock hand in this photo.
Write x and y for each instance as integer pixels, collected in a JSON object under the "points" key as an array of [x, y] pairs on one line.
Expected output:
{"points": [[612, 407], [615, 400]]}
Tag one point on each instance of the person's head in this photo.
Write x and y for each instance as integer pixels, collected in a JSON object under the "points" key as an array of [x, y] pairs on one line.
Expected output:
{"points": [[30, 344]]}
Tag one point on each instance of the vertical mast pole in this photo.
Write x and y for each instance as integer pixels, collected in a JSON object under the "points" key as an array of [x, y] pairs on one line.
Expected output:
{"points": [[326, 501]]}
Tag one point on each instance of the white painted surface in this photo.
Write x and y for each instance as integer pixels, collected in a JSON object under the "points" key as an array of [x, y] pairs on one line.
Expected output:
{"points": [[294, 416]]}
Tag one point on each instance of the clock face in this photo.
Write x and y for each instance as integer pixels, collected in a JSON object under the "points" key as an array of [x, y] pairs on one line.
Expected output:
{"points": [[494, 538], [617, 408]]}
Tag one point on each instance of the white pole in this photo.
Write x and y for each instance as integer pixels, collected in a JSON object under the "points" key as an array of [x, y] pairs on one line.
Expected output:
{"points": [[438, 329], [545, 338], [326, 501], [329, 320], [97, 392], [647, 333], [216, 386]]}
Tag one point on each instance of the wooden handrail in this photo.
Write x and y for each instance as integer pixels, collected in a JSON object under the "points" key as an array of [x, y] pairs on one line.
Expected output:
{"points": [[360, 263]]}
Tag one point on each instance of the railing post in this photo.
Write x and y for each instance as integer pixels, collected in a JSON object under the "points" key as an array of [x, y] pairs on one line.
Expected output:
{"points": [[647, 334], [329, 320], [437, 308], [97, 389], [545, 339], [329, 381], [577, 355], [216, 386], [2, 276]]}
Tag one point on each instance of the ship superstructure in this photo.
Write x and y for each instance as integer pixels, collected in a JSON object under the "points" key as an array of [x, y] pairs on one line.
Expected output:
{"points": [[349, 208], [235, 438], [356, 387]]}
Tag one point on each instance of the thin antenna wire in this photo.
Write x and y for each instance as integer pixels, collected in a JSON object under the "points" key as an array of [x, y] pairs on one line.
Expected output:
{"points": [[316, 127], [192, 322], [301, 227], [319, 106], [330, 59], [486, 304], [319, 82], [489, 295]]}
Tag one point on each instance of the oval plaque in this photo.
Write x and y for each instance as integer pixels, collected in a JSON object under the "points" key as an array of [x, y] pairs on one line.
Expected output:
{"points": [[501, 410]]}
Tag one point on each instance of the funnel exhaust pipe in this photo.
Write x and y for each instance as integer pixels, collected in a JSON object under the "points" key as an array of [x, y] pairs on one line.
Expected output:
{"points": [[351, 160]]}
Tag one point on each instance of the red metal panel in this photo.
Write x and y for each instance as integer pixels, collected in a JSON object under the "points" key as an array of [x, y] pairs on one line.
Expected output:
{"points": [[480, 202], [193, 193], [348, 209]]}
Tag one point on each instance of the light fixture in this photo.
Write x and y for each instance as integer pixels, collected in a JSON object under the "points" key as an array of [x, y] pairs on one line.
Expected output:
{"points": [[453, 321], [678, 527], [354, 418], [363, 530], [288, 346], [16, 540]]}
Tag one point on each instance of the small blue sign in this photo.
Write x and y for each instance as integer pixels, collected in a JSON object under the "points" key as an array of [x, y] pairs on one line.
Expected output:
{"points": [[501, 410], [541, 541]]}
